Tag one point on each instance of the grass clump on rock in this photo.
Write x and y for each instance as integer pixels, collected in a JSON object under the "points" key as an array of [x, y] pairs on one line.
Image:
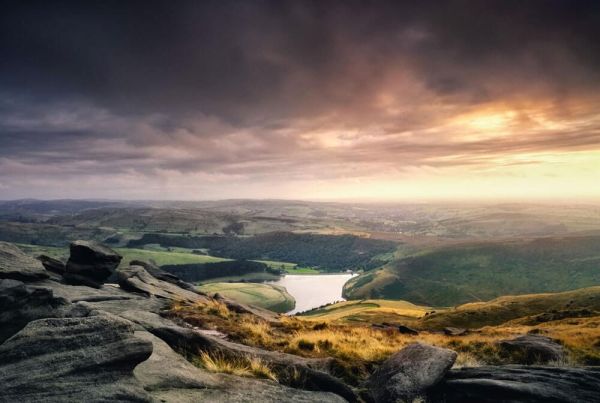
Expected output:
{"points": [[240, 366]]}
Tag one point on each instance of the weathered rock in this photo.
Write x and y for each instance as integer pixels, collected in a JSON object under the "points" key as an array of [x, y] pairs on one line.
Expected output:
{"points": [[410, 373], [90, 263], [16, 265], [52, 265], [312, 371], [407, 330], [167, 376], [87, 359], [137, 279], [455, 331], [21, 304], [160, 274], [107, 298], [531, 349], [513, 383]]}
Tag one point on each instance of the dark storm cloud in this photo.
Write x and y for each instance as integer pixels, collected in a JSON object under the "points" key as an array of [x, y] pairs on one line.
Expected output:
{"points": [[258, 87], [249, 60]]}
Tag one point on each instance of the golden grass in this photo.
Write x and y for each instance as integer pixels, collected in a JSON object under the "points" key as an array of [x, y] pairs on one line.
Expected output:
{"points": [[359, 347], [211, 307], [244, 366], [365, 309]]}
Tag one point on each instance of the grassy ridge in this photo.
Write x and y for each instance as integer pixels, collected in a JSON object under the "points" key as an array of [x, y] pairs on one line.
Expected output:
{"points": [[368, 311], [480, 272], [510, 308], [266, 296]]}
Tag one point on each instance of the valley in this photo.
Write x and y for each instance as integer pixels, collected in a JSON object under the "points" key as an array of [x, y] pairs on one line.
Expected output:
{"points": [[428, 254], [252, 288]]}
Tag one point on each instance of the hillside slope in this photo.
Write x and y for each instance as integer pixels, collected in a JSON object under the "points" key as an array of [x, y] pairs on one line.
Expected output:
{"points": [[458, 274], [525, 309]]}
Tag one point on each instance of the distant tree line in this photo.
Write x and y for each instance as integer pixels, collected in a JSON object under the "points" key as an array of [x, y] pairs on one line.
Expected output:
{"points": [[328, 252]]}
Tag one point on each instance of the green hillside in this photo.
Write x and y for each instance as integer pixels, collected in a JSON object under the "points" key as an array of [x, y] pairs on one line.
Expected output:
{"points": [[458, 274], [266, 296]]}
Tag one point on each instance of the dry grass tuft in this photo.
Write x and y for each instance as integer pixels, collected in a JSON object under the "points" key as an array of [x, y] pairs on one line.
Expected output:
{"points": [[246, 366]]}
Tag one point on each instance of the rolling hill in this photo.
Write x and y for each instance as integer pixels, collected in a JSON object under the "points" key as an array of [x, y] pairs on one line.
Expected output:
{"points": [[458, 274]]}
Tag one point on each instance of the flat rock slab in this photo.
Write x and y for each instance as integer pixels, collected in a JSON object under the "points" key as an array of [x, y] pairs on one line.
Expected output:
{"points": [[410, 373], [514, 383], [73, 360], [16, 265]]}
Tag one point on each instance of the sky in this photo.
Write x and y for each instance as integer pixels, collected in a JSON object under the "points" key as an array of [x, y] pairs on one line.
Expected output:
{"points": [[410, 100]]}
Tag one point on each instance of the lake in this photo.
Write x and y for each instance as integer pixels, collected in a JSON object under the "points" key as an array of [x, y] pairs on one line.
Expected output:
{"points": [[312, 291]]}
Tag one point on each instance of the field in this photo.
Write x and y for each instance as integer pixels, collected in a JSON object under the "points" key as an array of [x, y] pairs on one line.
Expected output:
{"points": [[265, 296], [291, 268], [242, 278]]}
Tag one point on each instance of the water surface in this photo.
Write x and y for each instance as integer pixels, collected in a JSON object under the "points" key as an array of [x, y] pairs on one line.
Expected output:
{"points": [[312, 291]]}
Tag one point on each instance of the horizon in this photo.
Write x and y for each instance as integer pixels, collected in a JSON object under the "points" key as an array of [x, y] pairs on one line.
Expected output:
{"points": [[340, 101], [358, 201]]}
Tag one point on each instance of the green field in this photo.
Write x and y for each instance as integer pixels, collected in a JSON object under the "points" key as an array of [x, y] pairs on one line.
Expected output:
{"points": [[243, 278], [266, 296], [291, 268]]}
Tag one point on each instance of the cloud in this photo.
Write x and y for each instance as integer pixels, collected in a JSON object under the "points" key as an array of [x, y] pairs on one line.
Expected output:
{"points": [[266, 92]]}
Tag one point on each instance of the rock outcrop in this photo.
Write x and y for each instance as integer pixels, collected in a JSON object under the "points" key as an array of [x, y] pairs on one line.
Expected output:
{"points": [[52, 265], [407, 330], [160, 274], [73, 360], [520, 384], [167, 376], [312, 371], [137, 279], [410, 373], [90, 263], [531, 349], [455, 331], [21, 304], [66, 341], [16, 265]]}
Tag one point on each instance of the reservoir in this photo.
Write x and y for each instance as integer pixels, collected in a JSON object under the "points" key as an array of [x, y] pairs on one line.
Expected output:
{"points": [[312, 291]]}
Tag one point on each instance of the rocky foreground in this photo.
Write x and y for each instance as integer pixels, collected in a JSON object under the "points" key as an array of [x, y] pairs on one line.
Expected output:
{"points": [[66, 335]]}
